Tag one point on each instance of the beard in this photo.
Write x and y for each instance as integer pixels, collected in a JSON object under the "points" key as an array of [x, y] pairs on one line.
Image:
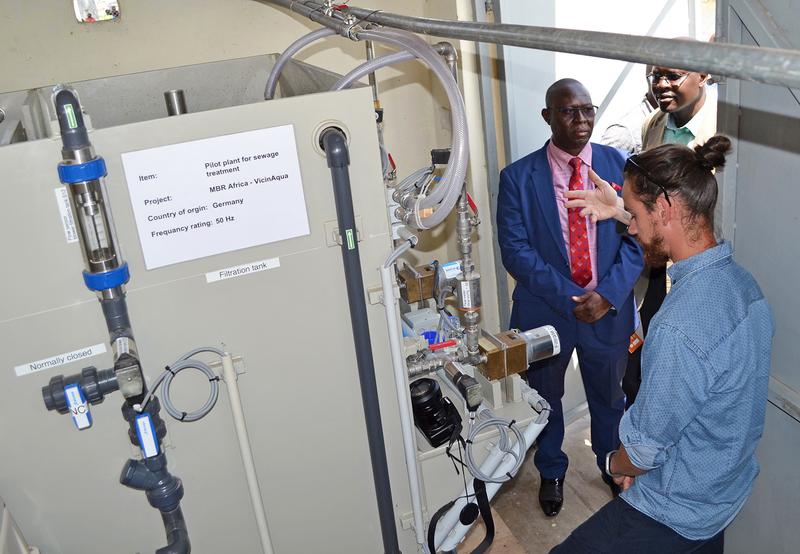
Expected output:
{"points": [[655, 255]]}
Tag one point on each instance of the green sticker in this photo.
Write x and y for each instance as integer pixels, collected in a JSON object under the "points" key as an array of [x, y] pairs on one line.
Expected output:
{"points": [[351, 244], [71, 120]]}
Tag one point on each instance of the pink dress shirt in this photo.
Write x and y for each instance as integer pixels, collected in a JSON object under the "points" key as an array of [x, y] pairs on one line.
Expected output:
{"points": [[562, 172]]}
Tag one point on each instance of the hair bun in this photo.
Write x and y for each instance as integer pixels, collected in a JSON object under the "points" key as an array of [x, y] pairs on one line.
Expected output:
{"points": [[711, 155]]}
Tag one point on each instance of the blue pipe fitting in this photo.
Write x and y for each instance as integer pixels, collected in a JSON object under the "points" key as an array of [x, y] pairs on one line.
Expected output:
{"points": [[108, 279], [70, 174]]}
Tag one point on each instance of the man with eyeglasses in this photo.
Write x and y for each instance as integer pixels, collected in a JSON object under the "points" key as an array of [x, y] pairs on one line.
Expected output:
{"points": [[687, 115], [571, 273]]}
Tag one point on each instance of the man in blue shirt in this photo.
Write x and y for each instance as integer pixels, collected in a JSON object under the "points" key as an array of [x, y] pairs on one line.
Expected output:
{"points": [[687, 459]]}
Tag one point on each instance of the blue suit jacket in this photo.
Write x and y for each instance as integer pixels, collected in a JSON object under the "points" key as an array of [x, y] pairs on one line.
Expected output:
{"points": [[533, 250]]}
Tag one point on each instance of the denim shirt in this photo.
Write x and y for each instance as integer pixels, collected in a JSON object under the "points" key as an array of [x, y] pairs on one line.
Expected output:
{"points": [[700, 409]]}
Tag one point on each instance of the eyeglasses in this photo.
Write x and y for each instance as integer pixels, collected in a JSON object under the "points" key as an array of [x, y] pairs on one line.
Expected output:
{"points": [[587, 111], [632, 162], [675, 79]]}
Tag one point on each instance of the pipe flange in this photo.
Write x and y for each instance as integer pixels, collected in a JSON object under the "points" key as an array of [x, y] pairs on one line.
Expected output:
{"points": [[319, 130]]}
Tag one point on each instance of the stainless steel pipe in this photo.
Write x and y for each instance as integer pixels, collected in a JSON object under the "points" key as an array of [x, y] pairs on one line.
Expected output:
{"points": [[764, 65], [176, 102]]}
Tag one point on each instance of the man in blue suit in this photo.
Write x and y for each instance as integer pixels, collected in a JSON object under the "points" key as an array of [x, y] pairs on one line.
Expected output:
{"points": [[571, 273]]}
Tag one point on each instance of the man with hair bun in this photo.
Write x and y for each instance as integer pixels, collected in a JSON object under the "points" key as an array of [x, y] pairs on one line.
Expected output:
{"points": [[687, 459]]}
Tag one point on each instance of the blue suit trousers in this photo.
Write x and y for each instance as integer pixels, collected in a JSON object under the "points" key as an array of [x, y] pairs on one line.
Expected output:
{"points": [[602, 367]]}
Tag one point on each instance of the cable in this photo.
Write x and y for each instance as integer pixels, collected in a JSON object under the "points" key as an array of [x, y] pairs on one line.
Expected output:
{"points": [[516, 451], [165, 382]]}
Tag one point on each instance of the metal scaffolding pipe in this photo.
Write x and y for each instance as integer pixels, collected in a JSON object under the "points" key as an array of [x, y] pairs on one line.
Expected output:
{"points": [[771, 66], [315, 12]]}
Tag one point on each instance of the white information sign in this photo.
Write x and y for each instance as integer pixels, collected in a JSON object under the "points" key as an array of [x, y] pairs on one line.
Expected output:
{"points": [[210, 196]]}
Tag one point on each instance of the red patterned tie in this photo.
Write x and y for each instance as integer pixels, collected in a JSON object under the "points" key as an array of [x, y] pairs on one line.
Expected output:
{"points": [[578, 236]]}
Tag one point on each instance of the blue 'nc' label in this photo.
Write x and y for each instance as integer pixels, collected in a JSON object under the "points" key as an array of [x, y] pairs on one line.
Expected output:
{"points": [[78, 407]]}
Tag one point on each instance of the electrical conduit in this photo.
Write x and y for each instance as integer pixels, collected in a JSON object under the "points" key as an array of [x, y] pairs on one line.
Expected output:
{"points": [[772, 66]]}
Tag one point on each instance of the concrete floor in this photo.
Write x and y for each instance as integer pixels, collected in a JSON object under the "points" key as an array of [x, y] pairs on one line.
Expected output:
{"points": [[520, 525]]}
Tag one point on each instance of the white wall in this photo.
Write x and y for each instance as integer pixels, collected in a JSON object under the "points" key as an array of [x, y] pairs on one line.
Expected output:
{"points": [[528, 73]]}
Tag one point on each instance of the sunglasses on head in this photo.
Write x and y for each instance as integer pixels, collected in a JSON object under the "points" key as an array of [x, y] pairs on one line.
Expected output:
{"points": [[632, 162]]}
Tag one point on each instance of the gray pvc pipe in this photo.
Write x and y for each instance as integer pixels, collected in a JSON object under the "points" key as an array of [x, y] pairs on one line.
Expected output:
{"points": [[177, 536], [283, 59], [338, 157], [115, 311], [313, 12]]}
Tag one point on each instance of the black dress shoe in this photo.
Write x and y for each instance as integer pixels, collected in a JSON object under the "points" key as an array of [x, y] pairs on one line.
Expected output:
{"points": [[551, 496], [615, 489]]}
